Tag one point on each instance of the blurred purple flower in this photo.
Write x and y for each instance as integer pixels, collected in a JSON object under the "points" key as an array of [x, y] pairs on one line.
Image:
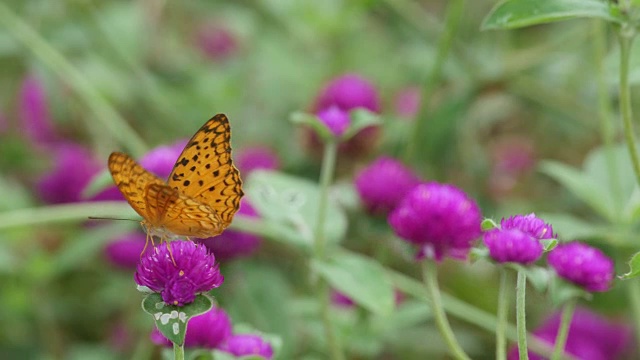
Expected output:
{"points": [[161, 159], [126, 250], [208, 330], [216, 42], [110, 193], [348, 92], [529, 224], [439, 218], [384, 183], [247, 344], [335, 119], [74, 168], [194, 271], [582, 265], [34, 112], [591, 337], [254, 158], [407, 102], [233, 244], [341, 300], [512, 245]]}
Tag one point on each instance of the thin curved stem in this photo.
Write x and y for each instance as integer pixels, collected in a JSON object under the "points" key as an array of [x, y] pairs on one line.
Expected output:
{"points": [[626, 36], [563, 331], [430, 275], [521, 315], [502, 315], [326, 176]]}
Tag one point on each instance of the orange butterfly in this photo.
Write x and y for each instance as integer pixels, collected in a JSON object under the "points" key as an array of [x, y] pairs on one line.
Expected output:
{"points": [[201, 195]]}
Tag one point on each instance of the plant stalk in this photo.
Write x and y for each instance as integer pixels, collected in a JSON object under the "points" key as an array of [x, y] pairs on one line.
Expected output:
{"points": [[626, 35], [178, 352], [563, 331], [502, 315], [521, 316]]}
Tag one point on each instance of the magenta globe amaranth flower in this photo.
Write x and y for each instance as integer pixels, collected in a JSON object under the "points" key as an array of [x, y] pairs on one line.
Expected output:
{"points": [[591, 337], [126, 250], [335, 119], [247, 344], [216, 42], [74, 168], [407, 102], [384, 183], [258, 157], [35, 117], [208, 330], [348, 92], [512, 245], [529, 224], [233, 244], [439, 218], [189, 269], [582, 265]]}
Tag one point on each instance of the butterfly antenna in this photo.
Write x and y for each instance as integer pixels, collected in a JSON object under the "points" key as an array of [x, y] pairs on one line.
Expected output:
{"points": [[110, 218]]}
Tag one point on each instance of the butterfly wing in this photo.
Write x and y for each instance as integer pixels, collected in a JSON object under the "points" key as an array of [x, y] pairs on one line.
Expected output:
{"points": [[132, 180], [205, 171], [180, 214]]}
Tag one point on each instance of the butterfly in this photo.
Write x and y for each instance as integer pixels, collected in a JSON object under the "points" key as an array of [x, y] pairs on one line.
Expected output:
{"points": [[202, 193]]}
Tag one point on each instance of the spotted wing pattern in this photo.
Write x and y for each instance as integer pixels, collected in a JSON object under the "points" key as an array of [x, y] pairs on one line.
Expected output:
{"points": [[132, 180], [205, 172], [179, 214]]}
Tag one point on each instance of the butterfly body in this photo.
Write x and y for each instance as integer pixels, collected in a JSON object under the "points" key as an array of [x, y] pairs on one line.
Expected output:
{"points": [[202, 193]]}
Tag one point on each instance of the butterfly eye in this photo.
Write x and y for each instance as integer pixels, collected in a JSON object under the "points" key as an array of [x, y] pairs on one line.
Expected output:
{"points": [[293, 199]]}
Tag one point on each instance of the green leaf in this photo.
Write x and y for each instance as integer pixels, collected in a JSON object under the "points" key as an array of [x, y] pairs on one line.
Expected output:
{"points": [[292, 203], [521, 13], [172, 320], [634, 267], [582, 186], [360, 119], [488, 224], [561, 291], [360, 278], [301, 118], [549, 244]]}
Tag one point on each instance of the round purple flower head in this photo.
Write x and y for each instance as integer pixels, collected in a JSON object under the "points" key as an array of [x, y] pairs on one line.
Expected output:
{"points": [[254, 158], [216, 42], [512, 245], [74, 168], [208, 330], [336, 120], [348, 92], [125, 251], [439, 218], [582, 265], [233, 244], [407, 102], [384, 183], [194, 272], [591, 337], [529, 224], [161, 159], [247, 344], [34, 112]]}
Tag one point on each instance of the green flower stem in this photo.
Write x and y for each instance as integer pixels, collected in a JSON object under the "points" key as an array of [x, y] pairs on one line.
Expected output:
{"points": [[521, 315], [178, 352], [466, 312], [102, 110], [454, 14], [633, 293], [626, 36], [430, 275], [563, 331], [604, 108], [502, 314], [326, 176]]}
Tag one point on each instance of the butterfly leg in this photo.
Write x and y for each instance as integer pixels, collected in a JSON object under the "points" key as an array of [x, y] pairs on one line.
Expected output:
{"points": [[169, 250]]}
